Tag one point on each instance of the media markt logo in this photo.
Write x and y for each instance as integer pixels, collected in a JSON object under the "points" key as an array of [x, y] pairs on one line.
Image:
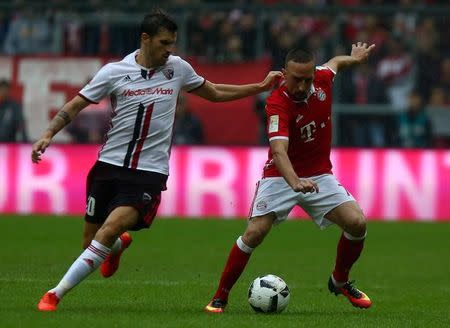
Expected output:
{"points": [[146, 91]]}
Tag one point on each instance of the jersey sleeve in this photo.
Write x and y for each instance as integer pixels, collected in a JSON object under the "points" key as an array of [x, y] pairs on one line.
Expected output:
{"points": [[325, 73], [98, 87], [277, 121], [191, 80]]}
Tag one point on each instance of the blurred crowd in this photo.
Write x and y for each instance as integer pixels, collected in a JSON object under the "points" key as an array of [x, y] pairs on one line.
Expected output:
{"points": [[409, 70]]}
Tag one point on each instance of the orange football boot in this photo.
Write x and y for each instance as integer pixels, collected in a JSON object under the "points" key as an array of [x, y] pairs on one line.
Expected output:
{"points": [[111, 263], [216, 306], [353, 294], [48, 302]]}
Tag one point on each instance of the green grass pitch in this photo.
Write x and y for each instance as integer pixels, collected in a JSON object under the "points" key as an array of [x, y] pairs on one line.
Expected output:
{"points": [[170, 272]]}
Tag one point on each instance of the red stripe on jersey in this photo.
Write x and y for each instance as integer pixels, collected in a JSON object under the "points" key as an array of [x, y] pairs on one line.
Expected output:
{"points": [[144, 132]]}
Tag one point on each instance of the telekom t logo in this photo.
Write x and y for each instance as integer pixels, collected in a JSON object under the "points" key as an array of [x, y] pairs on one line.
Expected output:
{"points": [[307, 131]]}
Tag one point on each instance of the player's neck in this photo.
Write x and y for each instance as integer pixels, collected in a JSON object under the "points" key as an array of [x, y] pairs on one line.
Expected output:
{"points": [[143, 60]]}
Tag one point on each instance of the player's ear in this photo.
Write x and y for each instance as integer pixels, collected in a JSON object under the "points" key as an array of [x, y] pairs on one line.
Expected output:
{"points": [[145, 37]]}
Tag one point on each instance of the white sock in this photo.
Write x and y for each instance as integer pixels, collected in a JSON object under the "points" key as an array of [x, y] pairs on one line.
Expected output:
{"points": [[337, 283], [117, 246], [86, 263], [243, 247], [350, 237]]}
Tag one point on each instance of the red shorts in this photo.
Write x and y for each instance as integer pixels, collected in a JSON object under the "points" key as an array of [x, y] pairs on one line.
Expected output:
{"points": [[109, 186]]}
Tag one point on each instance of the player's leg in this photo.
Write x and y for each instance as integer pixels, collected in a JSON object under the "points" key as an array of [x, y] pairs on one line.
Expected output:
{"points": [[351, 219], [89, 231], [334, 204], [274, 199], [257, 229], [99, 193], [146, 200], [119, 220], [111, 263]]}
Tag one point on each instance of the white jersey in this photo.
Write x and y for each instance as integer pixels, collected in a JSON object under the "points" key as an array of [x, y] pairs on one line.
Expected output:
{"points": [[143, 110]]}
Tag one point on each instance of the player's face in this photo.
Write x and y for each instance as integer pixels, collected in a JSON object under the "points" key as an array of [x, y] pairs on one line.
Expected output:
{"points": [[161, 46], [299, 78]]}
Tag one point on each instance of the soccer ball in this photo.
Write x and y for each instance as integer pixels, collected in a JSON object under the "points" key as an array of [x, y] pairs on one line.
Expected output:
{"points": [[268, 294]]}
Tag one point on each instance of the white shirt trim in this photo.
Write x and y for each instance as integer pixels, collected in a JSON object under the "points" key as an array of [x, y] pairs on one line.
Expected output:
{"points": [[326, 67], [279, 137]]}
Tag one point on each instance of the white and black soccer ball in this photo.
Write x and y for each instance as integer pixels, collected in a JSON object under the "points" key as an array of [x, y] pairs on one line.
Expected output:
{"points": [[268, 294]]}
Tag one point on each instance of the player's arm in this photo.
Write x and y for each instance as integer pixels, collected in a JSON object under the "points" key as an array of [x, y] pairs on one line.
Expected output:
{"points": [[226, 92], [359, 54], [61, 119], [281, 159]]}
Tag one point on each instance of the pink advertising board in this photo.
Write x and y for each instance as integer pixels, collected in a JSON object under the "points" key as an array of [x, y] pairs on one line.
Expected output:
{"points": [[219, 182]]}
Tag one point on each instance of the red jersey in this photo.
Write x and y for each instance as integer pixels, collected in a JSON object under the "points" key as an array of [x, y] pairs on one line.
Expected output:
{"points": [[306, 124]]}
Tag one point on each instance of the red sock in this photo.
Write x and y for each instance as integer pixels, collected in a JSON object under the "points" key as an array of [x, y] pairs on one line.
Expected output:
{"points": [[237, 260], [348, 252]]}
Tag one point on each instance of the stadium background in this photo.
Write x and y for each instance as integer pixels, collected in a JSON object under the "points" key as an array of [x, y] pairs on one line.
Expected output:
{"points": [[49, 50]]}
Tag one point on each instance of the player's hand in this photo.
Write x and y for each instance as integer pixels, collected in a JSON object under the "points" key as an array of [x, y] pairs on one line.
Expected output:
{"points": [[361, 52], [271, 80], [305, 186], [39, 148]]}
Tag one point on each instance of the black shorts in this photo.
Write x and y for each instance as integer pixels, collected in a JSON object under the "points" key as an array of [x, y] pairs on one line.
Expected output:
{"points": [[109, 186]]}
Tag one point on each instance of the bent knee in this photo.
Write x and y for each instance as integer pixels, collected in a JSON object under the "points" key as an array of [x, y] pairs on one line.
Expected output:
{"points": [[357, 226]]}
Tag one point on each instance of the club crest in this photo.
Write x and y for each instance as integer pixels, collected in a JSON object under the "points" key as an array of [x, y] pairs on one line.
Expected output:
{"points": [[320, 94], [261, 205], [168, 72]]}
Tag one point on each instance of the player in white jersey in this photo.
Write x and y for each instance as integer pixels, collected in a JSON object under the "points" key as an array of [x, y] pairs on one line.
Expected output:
{"points": [[124, 186]]}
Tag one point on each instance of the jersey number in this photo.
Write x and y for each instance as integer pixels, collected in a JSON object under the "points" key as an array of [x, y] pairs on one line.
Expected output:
{"points": [[90, 207]]}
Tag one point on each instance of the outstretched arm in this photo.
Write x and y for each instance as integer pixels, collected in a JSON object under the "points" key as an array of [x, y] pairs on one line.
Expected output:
{"points": [[226, 92], [62, 118], [359, 54]]}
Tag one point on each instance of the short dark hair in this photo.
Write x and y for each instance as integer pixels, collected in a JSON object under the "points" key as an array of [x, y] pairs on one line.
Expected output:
{"points": [[152, 23], [299, 56]]}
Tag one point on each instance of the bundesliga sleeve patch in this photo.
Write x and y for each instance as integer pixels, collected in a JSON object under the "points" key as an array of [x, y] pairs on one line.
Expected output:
{"points": [[274, 122]]}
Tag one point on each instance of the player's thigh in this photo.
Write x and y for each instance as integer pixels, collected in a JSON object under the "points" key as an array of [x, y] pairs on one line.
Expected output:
{"points": [[330, 196], [257, 229], [349, 217], [143, 197], [273, 195]]}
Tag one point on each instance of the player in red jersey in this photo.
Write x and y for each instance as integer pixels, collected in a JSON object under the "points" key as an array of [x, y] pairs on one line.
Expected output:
{"points": [[298, 172]]}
